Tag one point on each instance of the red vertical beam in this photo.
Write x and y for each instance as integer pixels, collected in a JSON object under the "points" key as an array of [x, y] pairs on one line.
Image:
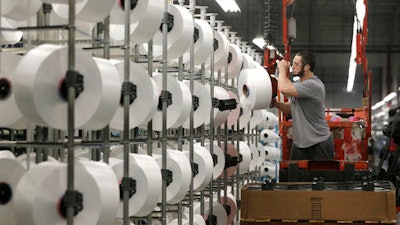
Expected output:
{"points": [[365, 38], [365, 26], [286, 56], [369, 78], [266, 58], [367, 82], [285, 39]]}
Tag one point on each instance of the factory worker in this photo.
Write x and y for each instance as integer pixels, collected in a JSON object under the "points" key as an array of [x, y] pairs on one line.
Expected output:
{"points": [[312, 139]]}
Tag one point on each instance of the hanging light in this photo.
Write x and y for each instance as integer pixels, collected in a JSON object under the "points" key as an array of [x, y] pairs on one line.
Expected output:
{"points": [[352, 63], [259, 41], [385, 100], [378, 105], [228, 5], [357, 25], [390, 97]]}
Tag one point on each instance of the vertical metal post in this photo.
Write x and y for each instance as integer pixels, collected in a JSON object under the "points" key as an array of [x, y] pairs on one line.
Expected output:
{"points": [[254, 133], [136, 132], [30, 133], [46, 9], [180, 132], [238, 138], [225, 203], [39, 138], [202, 128], [219, 140], [71, 109], [219, 128], [164, 113], [192, 4], [150, 123], [106, 23], [257, 142], [248, 141], [106, 129], [212, 23], [126, 96]]}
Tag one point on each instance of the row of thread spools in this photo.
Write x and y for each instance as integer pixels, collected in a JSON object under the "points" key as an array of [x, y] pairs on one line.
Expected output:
{"points": [[33, 89], [38, 79], [32, 194], [145, 23], [37, 97]]}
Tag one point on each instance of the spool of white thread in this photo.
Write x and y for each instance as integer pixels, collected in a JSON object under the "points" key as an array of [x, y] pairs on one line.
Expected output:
{"points": [[92, 11], [38, 203], [254, 88], [221, 51], [20, 9], [235, 61], [269, 136], [203, 160], [39, 96], [10, 115], [245, 152], [146, 172], [202, 112], [180, 34], [179, 165], [218, 159], [181, 103], [142, 109], [11, 172]]}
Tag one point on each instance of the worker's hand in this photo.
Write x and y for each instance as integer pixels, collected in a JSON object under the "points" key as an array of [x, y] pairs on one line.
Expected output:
{"points": [[283, 65]]}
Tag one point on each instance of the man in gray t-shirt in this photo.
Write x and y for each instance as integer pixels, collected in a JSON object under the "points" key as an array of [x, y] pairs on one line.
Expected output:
{"points": [[312, 139]]}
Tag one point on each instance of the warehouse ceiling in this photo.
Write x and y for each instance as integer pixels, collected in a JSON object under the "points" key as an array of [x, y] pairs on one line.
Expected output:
{"points": [[322, 25]]}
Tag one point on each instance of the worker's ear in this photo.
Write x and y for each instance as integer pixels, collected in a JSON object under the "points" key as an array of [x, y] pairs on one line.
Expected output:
{"points": [[307, 67]]}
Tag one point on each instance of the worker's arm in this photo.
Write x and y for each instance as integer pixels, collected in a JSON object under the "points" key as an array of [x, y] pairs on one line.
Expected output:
{"points": [[283, 106], [285, 86]]}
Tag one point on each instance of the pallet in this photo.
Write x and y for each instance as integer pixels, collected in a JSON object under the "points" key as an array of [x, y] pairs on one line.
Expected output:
{"points": [[313, 222]]}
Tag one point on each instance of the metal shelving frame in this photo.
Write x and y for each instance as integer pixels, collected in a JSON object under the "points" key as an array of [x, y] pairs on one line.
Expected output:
{"points": [[51, 139]]}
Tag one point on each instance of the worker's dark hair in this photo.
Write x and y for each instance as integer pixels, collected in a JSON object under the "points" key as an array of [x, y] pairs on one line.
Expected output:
{"points": [[307, 58]]}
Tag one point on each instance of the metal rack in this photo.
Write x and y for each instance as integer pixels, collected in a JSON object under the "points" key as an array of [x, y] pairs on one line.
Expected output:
{"points": [[52, 142]]}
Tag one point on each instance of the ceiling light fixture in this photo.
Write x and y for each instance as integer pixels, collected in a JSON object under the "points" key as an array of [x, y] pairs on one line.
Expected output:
{"points": [[378, 105], [228, 5], [385, 100], [357, 26], [390, 97], [259, 41], [352, 63]]}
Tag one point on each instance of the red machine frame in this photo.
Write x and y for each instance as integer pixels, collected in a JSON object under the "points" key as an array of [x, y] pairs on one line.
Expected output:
{"points": [[345, 127]]}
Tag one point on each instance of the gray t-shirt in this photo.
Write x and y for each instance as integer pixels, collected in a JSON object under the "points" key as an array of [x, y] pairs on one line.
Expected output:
{"points": [[308, 113]]}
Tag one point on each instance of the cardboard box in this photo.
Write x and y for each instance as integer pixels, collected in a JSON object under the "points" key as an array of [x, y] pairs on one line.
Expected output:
{"points": [[317, 205]]}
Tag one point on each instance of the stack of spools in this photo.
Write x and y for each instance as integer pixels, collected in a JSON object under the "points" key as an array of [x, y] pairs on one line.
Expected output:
{"points": [[34, 92]]}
